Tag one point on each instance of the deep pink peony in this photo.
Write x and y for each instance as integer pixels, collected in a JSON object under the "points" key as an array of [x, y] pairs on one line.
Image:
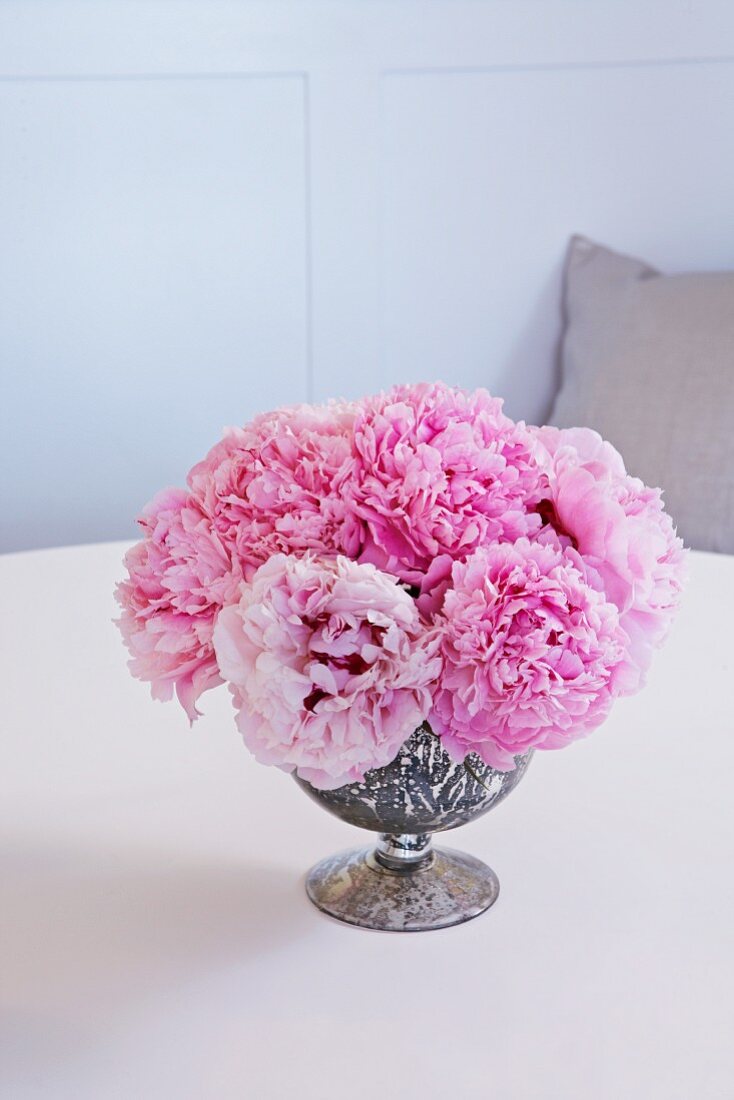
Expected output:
{"points": [[621, 530], [178, 578], [533, 656], [275, 486], [329, 665], [439, 472]]}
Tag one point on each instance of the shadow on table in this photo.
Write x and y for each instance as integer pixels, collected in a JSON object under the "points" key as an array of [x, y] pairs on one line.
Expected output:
{"points": [[89, 931]]}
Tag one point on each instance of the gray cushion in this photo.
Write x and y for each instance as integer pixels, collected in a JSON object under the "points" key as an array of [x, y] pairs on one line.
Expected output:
{"points": [[648, 360]]}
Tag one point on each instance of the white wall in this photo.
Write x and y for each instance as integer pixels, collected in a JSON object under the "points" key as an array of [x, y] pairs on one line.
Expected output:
{"points": [[211, 208]]}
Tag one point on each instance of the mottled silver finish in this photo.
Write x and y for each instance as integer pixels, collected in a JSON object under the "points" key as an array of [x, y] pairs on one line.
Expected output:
{"points": [[404, 884], [422, 791], [446, 888]]}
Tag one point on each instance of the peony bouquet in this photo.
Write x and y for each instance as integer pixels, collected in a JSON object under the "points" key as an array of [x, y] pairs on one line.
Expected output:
{"points": [[354, 570]]}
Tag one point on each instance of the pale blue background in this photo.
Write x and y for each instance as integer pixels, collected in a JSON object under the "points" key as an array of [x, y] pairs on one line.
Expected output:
{"points": [[208, 209]]}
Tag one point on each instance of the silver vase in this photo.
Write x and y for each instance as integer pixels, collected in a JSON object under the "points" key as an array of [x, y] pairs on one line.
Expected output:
{"points": [[404, 884]]}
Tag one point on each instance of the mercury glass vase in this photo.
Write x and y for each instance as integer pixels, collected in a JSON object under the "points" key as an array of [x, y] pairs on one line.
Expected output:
{"points": [[404, 883]]}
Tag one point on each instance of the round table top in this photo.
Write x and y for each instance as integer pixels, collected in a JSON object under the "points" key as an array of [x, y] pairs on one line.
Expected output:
{"points": [[157, 942]]}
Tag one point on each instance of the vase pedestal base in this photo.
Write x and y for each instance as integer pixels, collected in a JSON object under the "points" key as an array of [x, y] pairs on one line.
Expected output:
{"points": [[445, 887]]}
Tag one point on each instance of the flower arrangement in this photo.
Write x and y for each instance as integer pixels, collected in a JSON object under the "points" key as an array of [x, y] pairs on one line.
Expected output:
{"points": [[356, 569]]}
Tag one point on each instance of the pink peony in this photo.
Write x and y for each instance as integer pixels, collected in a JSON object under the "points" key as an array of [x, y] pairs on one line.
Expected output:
{"points": [[440, 472], [275, 486], [621, 530], [533, 656], [314, 543], [179, 576], [329, 666]]}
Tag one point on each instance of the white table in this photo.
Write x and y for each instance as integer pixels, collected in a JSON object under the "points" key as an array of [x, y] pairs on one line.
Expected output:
{"points": [[157, 942]]}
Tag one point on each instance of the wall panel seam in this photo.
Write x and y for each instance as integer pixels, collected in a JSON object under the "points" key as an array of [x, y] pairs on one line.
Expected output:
{"points": [[556, 66]]}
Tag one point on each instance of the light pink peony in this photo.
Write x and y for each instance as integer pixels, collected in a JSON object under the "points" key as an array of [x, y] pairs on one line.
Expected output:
{"points": [[276, 485], [533, 656], [329, 665], [439, 473], [179, 576], [621, 530]]}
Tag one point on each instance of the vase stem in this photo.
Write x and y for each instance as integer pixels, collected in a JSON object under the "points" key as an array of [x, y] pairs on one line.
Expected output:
{"points": [[403, 851]]}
